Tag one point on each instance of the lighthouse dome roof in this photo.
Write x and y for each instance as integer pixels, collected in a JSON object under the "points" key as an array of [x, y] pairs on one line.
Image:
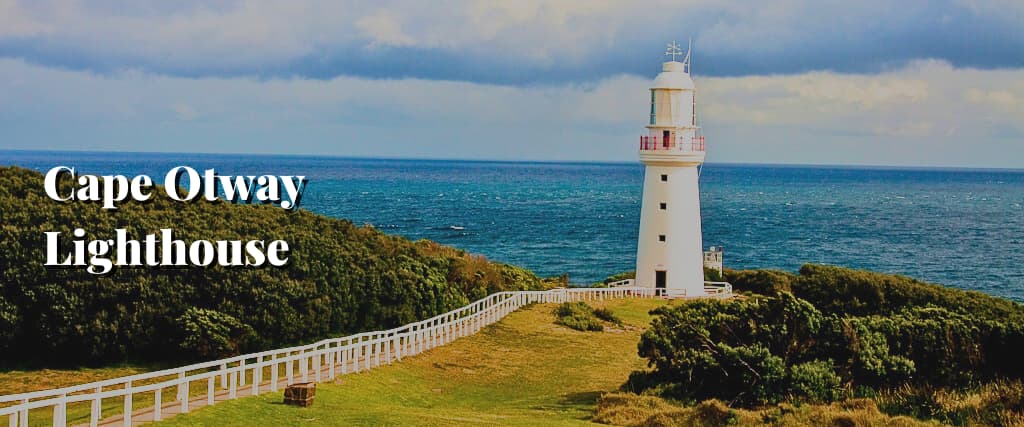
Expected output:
{"points": [[673, 76]]}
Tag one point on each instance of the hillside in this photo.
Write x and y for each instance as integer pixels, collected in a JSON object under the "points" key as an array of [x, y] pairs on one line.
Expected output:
{"points": [[341, 278]]}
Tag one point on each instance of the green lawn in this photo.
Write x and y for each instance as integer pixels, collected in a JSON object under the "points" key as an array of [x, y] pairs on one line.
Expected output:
{"points": [[524, 370]]}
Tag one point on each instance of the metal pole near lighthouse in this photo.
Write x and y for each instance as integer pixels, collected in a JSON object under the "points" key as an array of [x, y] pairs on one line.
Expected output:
{"points": [[670, 249]]}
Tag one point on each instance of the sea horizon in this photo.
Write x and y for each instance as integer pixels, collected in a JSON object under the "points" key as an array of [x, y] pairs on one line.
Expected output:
{"points": [[530, 161]]}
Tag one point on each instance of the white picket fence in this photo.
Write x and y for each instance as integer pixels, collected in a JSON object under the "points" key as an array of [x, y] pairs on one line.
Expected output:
{"points": [[320, 361], [711, 289]]}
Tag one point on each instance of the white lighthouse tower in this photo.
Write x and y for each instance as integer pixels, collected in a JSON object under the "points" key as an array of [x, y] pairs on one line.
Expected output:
{"points": [[670, 251]]}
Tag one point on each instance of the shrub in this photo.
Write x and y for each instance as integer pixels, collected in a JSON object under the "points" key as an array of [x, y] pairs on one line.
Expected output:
{"points": [[735, 351], [764, 282], [816, 381], [761, 349], [579, 316], [844, 291], [607, 315], [211, 334]]}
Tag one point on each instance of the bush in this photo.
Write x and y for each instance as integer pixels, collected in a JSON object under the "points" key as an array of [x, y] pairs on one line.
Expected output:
{"points": [[211, 334], [752, 351], [764, 282], [844, 291], [579, 316], [816, 381], [607, 315], [875, 332], [734, 351]]}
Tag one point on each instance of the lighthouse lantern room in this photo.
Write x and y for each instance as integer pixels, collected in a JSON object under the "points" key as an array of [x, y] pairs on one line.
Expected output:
{"points": [[670, 249]]}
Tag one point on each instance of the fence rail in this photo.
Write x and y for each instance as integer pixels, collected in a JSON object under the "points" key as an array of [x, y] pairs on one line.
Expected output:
{"points": [[711, 289], [313, 362]]}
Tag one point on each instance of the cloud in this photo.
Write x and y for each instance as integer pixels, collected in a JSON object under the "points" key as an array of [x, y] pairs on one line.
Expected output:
{"points": [[525, 42], [15, 24], [383, 30], [1002, 99], [926, 113]]}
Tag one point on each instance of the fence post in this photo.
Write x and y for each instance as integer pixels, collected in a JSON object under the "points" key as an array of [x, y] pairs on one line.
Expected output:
{"points": [[96, 409], [378, 343], [127, 403], [60, 412], [183, 392], [397, 344], [257, 375], [210, 392], [344, 359], [332, 358], [367, 353], [23, 415], [315, 359], [157, 398], [241, 366], [357, 350], [288, 369], [449, 328], [233, 384], [442, 326], [273, 372], [303, 366]]}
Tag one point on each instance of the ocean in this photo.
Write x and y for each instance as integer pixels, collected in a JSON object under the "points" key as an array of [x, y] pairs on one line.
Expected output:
{"points": [[961, 228]]}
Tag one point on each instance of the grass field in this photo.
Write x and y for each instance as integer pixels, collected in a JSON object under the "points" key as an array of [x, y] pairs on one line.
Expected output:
{"points": [[14, 382], [524, 370]]}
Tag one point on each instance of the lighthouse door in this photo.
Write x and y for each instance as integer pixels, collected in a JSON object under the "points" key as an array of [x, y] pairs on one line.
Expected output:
{"points": [[666, 136], [659, 279]]}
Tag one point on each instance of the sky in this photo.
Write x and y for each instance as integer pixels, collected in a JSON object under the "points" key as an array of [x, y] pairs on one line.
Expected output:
{"points": [[910, 83]]}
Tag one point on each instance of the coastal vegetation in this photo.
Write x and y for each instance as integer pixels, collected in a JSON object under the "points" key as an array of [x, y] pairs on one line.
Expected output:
{"points": [[342, 278], [832, 335]]}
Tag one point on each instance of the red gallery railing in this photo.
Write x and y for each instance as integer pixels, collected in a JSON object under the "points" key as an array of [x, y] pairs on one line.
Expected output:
{"points": [[654, 143]]}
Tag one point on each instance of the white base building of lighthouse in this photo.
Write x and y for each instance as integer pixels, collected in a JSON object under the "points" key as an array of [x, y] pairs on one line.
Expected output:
{"points": [[670, 253]]}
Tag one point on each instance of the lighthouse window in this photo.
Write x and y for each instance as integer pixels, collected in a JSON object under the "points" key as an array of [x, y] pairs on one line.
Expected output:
{"points": [[652, 107], [661, 237], [664, 178], [664, 206]]}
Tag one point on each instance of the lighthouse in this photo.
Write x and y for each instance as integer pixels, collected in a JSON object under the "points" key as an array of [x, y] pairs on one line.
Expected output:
{"points": [[670, 251]]}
